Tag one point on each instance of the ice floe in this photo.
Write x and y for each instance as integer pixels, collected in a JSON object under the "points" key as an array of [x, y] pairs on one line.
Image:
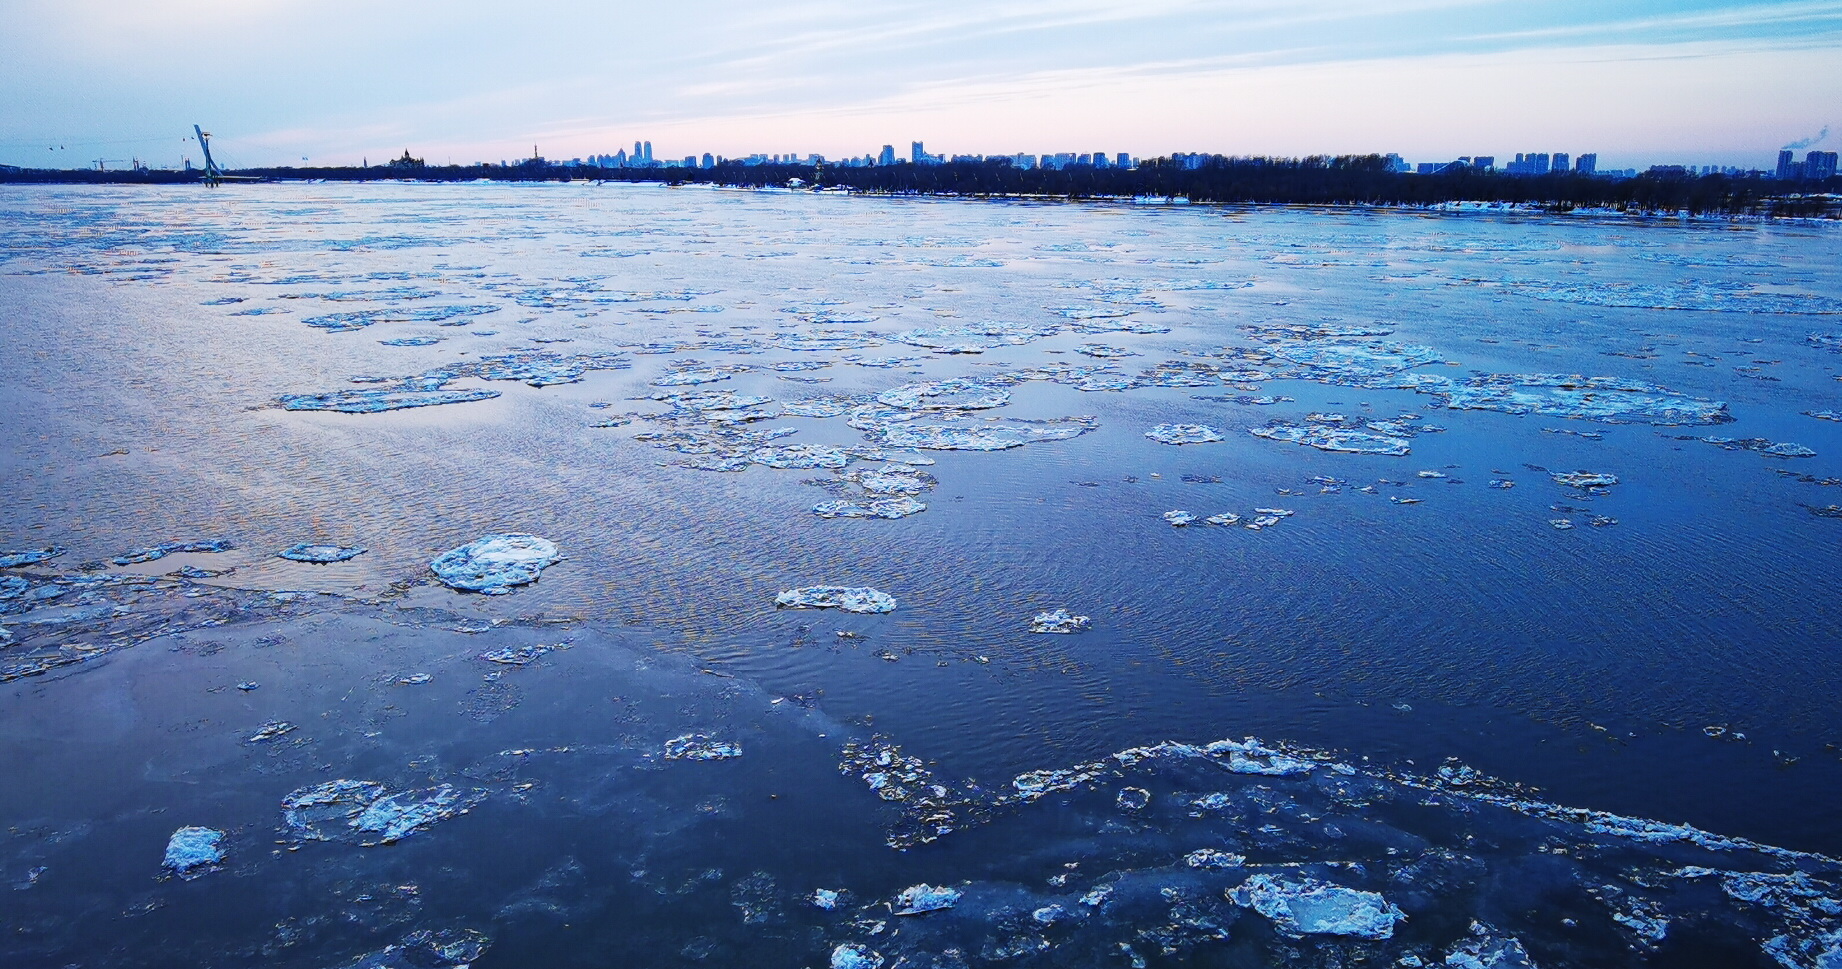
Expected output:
{"points": [[900, 506], [697, 746], [494, 563], [1058, 621], [1607, 399], [137, 556], [368, 813], [320, 554], [1184, 434], [919, 899], [193, 851], [16, 558], [845, 598], [1333, 437]]}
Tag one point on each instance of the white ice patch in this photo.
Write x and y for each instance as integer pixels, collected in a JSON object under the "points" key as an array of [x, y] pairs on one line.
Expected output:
{"points": [[1308, 907]]}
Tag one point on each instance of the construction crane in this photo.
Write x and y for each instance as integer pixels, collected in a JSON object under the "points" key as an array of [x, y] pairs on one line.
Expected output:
{"points": [[102, 164]]}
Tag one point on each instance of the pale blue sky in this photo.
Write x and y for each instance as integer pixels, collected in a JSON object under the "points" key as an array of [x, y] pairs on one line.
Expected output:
{"points": [[1695, 81]]}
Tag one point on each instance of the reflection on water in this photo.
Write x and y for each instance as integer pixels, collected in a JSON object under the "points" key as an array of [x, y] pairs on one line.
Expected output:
{"points": [[708, 398]]}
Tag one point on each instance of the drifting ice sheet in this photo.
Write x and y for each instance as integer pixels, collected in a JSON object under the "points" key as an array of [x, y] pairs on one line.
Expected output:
{"points": [[492, 565]]}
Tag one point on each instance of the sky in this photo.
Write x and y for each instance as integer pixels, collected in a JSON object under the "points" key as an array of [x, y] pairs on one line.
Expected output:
{"points": [[337, 82]]}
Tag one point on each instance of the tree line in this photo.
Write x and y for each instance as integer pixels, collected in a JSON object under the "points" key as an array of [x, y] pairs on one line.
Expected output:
{"points": [[1315, 180]]}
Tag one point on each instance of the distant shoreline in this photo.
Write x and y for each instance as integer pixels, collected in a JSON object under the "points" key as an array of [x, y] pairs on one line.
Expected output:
{"points": [[1340, 182]]}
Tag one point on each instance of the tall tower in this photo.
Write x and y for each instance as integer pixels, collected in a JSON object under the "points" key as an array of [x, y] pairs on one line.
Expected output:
{"points": [[1784, 163], [916, 153]]}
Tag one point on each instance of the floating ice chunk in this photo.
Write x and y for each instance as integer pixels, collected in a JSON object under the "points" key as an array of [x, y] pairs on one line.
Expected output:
{"points": [[851, 955], [697, 746], [955, 394], [1309, 907], [378, 401], [1249, 757], [1179, 518], [518, 655], [495, 563], [321, 554], [136, 556], [916, 899], [425, 949], [850, 599], [1327, 437], [1031, 785], [1607, 399], [271, 729], [1132, 799], [1214, 858], [900, 506], [817, 407], [975, 437], [1224, 519], [825, 341], [1758, 444], [451, 315], [1585, 479], [974, 338], [1488, 950], [801, 456], [308, 811], [690, 376], [1058, 621], [1788, 450], [893, 480], [1336, 362], [541, 368], [1184, 434], [1562, 524], [711, 400], [825, 898], [192, 852], [1705, 295], [15, 558], [1649, 926], [396, 816], [1049, 914]]}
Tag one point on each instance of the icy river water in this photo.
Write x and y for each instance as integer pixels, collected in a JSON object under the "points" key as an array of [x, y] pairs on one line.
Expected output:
{"points": [[1250, 587]]}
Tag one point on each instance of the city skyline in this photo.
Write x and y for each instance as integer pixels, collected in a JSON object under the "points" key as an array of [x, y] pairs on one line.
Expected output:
{"points": [[287, 82]]}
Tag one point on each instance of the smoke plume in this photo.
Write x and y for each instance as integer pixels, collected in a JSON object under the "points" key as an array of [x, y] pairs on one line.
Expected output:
{"points": [[1807, 142]]}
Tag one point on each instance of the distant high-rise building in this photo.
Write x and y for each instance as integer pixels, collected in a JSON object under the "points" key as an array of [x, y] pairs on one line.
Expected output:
{"points": [[1587, 164], [1785, 163], [1396, 163], [1530, 163], [1560, 163], [639, 153], [709, 160], [1485, 162], [1122, 160], [887, 157], [917, 153], [1820, 164], [648, 152]]}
